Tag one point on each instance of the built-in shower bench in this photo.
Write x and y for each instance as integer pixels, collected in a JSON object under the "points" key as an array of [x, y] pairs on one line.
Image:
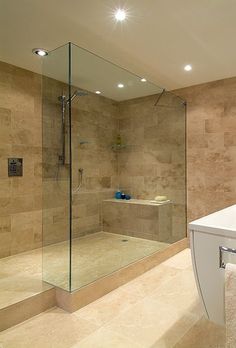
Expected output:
{"points": [[138, 201], [138, 218]]}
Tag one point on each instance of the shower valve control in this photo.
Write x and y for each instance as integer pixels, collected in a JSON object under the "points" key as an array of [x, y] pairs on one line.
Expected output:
{"points": [[15, 166]]}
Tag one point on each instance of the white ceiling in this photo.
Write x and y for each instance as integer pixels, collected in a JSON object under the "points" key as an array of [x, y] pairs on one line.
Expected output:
{"points": [[157, 40], [92, 73]]}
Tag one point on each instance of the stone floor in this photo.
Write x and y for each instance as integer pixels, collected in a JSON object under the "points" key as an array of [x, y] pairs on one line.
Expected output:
{"points": [[159, 309], [93, 256], [21, 277]]}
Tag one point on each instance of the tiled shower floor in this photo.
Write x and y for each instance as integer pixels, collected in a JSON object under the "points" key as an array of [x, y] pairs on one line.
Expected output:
{"points": [[93, 256]]}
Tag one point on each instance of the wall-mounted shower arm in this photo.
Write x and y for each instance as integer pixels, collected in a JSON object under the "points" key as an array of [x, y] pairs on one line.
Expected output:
{"points": [[159, 97], [183, 102]]}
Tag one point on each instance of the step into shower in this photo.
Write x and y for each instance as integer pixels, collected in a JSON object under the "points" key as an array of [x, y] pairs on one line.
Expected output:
{"points": [[32, 296]]}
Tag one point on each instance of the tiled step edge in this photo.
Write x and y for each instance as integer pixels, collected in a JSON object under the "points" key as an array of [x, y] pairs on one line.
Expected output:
{"points": [[26, 309], [71, 302]]}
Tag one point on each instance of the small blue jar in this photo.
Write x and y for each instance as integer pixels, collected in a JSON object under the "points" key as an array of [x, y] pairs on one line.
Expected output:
{"points": [[118, 195]]}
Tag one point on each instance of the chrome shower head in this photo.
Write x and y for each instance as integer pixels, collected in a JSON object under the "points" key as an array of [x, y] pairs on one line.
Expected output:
{"points": [[80, 93], [77, 93]]}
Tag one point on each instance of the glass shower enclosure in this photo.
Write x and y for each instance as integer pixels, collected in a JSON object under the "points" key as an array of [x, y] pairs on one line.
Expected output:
{"points": [[108, 136]]}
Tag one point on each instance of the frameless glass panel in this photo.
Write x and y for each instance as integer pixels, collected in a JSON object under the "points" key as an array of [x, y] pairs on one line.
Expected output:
{"points": [[107, 134], [151, 168], [56, 168], [123, 139]]}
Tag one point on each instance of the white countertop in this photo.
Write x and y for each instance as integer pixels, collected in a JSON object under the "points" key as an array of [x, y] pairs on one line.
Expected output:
{"points": [[222, 222], [137, 201]]}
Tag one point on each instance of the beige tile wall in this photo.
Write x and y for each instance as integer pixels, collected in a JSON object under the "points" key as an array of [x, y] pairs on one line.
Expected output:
{"points": [[211, 134], [55, 176], [94, 121], [153, 162], [94, 127], [211, 125], [20, 136]]}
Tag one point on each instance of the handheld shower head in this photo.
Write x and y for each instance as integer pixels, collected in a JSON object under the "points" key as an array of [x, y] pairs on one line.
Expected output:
{"points": [[64, 102]]}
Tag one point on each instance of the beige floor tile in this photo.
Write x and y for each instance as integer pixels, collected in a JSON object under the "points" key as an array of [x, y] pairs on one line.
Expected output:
{"points": [[106, 308], [149, 321], [113, 304], [175, 333], [105, 338], [54, 328], [180, 293], [21, 277], [148, 282], [203, 334], [166, 314], [159, 309], [181, 260]]}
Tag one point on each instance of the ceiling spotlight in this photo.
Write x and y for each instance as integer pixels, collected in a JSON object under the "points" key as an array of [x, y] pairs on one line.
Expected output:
{"points": [[120, 85], [188, 67], [40, 52], [120, 15], [143, 80], [98, 92]]}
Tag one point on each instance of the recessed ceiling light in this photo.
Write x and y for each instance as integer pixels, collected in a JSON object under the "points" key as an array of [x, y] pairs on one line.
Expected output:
{"points": [[143, 80], [98, 92], [40, 52], [120, 15], [188, 67], [120, 85]]}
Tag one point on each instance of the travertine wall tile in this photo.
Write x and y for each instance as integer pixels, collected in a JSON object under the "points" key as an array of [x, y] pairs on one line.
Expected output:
{"points": [[211, 146], [94, 122], [94, 129], [20, 136], [153, 162]]}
